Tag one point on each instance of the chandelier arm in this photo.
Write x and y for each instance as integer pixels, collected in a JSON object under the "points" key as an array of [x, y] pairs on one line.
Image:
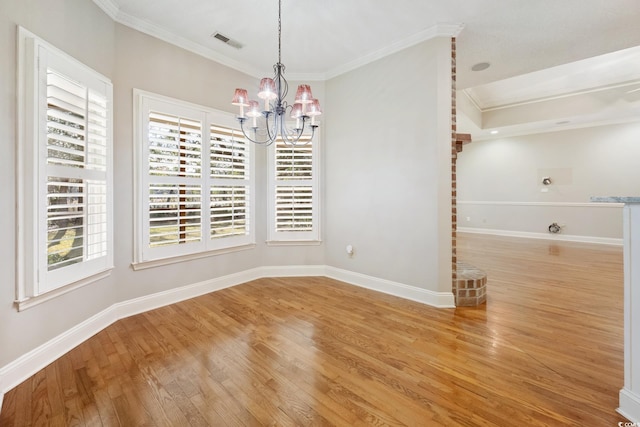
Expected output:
{"points": [[266, 142], [272, 133]]}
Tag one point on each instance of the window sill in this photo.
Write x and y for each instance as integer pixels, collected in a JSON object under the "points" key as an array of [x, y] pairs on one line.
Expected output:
{"points": [[143, 265], [29, 302], [294, 242]]}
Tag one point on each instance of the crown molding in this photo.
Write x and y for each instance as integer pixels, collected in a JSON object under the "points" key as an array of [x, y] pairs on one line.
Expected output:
{"points": [[111, 8], [438, 30], [146, 27]]}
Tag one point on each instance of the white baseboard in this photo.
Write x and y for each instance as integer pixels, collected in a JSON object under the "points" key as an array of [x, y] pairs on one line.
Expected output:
{"points": [[424, 296], [630, 406], [28, 364], [172, 296], [22, 368], [543, 236]]}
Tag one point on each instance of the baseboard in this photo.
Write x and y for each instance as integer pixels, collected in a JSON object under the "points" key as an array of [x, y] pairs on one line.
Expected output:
{"points": [[28, 364], [543, 236], [629, 406], [25, 366], [293, 271], [172, 296], [424, 296], [22, 368]]}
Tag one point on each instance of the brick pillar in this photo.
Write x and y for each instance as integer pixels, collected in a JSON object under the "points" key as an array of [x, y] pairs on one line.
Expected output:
{"points": [[454, 156]]}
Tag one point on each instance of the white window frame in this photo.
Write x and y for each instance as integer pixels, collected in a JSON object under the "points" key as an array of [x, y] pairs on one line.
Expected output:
{"points": [[146, 256], [35, 283], [307, 237]]}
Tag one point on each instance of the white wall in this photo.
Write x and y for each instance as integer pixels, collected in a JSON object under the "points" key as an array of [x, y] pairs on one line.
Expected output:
{"points": [[500, 182], [385, 179]]}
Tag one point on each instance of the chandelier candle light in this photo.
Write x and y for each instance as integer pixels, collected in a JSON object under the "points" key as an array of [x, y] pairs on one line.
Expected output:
{"points": [[272, 121]]}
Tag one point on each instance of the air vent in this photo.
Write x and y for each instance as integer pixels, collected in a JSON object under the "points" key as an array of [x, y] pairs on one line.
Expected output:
{"points": [[226, 40]]}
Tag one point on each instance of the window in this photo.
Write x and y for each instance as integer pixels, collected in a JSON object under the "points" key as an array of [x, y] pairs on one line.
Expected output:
{"points": [[294, 202], [195, 181], [65, 172]]}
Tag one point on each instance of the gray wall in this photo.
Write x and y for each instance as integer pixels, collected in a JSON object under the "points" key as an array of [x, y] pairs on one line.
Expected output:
{"points": [[84, 32], [500, 181], [386, 169], [388, 179]]}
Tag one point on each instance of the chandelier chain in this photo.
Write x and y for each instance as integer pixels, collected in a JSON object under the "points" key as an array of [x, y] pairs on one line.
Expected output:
{"points": [[280, 31]]}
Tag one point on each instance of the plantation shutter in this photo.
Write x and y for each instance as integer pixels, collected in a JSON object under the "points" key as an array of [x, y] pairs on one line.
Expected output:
{"points": [[295, 191], [174, 187], [229, 195], [75, 183], [195, 182]]}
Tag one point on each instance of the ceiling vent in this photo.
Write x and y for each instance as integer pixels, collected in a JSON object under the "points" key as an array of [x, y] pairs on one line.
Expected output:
{"points": [[226, 40]]}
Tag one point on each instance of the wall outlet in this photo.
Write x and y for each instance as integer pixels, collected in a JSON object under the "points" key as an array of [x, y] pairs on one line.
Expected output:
{"points": [[468, 218]]}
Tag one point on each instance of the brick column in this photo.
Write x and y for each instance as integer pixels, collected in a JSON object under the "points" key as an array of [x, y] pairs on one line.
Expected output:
{"points": [[454, 156]]}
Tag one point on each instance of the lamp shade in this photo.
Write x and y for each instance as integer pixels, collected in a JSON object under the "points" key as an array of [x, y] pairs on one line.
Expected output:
{"points": [[267, 89], [296, 111], [313, 109], [241, 98], [254, 109], [303, 95]]}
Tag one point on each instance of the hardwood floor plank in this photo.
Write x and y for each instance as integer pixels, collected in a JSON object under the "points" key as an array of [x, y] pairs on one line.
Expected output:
{"points": [[545, 350]]}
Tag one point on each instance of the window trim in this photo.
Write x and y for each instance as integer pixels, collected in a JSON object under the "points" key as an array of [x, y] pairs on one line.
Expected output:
{"points": [[210, 116], [30, 84]]}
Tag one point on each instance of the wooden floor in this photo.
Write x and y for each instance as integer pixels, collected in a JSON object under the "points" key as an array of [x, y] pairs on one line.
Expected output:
{"points": [[545, 350]]}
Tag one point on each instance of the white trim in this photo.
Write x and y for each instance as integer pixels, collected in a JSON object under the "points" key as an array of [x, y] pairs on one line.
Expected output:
{"points": [[544, 204], [174, 39], [172, 296], [293, 271], [629, 398], [32, 301], [28, 364], [146, 27], [109, 7], [438, 30], [507, 105], [293, 242], [424, 296], [142, 265], [629, 406], [543, 236]]}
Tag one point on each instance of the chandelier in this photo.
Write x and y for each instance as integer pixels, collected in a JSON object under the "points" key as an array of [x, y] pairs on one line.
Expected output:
{"points": [[269, 120]]}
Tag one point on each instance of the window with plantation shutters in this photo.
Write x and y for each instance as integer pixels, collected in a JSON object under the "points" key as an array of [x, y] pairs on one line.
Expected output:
{"points": [[65, 162], [195, 181], [174, 190], [230, 183], [294, 191]]}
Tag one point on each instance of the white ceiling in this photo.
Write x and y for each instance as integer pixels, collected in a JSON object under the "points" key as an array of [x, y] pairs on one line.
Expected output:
{"points": [[321, 39]]}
